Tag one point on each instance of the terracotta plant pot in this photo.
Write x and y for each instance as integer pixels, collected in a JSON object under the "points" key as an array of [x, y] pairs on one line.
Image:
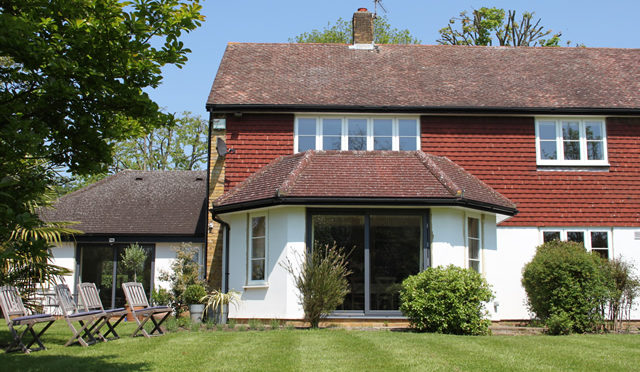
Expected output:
{"points": [[130, 314]]}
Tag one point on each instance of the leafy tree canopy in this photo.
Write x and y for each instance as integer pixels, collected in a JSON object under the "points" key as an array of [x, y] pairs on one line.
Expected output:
{"points": [[492, 26], [341, 33]]}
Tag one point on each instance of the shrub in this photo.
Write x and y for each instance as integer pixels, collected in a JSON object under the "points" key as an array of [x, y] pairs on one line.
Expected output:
{"points": [[624, 287], [559, 324], [321, 281], [160, 297], [184, 272], [446, 300], [564, 280], [194, 294]]}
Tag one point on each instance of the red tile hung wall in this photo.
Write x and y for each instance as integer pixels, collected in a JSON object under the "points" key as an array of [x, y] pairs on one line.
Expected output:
{"points": [[501, 152], [257, 139]]}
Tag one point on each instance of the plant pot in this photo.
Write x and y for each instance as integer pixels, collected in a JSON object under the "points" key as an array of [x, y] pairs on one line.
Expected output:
{"points": [[130, 314], [196, 312]]}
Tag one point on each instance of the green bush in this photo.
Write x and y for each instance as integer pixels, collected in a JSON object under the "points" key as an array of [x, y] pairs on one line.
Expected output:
{"points": [[194, 294], [322, 281], [559, 324], [446, 300], [563, 280], [160, 297]]}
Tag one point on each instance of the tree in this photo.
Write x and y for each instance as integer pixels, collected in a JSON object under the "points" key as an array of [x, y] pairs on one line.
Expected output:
{"points": [[489, 26], [341, 31], [72, 75]]}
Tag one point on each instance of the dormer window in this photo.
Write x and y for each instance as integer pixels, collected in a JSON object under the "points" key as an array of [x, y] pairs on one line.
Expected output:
{"points": [[571, 141], [356, 133]]}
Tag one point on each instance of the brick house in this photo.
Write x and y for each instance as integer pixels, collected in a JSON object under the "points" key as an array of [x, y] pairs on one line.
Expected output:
{"points": [[417, 156]]}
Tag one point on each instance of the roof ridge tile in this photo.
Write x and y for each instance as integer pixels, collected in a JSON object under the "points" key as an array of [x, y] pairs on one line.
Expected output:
{"points": [[291, 179], [439, 174]]}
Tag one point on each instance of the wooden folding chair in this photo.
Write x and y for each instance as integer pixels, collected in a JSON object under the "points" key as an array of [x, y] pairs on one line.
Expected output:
{"points": [[16, 315], [134, 293], [90, 321], [90, 300]]}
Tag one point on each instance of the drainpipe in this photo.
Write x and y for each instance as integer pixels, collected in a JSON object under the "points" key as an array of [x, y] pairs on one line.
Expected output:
{"points": [[227, 229]]}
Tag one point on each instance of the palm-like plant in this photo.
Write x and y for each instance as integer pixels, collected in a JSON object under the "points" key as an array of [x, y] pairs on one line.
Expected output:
{"points": [[217, 300]]}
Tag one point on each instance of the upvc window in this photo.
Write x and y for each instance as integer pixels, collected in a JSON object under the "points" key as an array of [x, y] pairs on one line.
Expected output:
{"points": [[593, 240], [473, 243], [571, 141], [257, 248], [356, 133]]}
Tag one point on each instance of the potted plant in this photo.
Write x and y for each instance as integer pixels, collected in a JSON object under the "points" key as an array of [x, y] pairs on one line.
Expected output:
{"points": [[193, 296], [132, 260], [216, 300]]}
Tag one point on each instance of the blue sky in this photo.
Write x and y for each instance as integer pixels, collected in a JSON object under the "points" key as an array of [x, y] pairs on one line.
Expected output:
{"points": [[612, 23]]}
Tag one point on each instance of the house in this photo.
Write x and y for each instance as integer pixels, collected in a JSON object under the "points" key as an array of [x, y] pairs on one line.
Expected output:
{"points": [[159, 210], [417, 156]]}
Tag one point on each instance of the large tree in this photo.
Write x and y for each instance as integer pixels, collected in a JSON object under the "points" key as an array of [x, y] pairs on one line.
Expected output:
{"points": [[341, 32], [492, 26], [72, 74]]}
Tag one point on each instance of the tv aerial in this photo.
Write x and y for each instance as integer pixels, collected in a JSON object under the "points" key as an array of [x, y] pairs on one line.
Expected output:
{"points": [[221, 148], [376, 4]]}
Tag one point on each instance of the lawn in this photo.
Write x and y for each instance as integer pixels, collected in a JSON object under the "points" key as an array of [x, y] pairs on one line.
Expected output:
{"points": [[328, 350]]}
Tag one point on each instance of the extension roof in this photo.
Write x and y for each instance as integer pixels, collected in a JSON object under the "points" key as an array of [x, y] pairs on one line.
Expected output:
{"points": [[363, 177], [164, 203], [427, 78]]}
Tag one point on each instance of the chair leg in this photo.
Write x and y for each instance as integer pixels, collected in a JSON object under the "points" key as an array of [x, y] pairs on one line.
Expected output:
{"points": [[17, 343], [141, 327], [112, 327], [36, 337], [156, 324]]}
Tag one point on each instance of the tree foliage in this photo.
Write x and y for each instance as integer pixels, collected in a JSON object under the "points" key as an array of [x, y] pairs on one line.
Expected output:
{"points": [[492, 26], [185, 271], [341, 33], [72, 74]]}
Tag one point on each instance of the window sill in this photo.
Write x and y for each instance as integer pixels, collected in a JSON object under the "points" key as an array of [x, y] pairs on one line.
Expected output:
{"points": [[573, 168], [256, 286]]}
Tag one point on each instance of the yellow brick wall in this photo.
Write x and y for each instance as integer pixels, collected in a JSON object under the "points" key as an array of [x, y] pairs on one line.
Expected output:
{"points": [[215, 233]]}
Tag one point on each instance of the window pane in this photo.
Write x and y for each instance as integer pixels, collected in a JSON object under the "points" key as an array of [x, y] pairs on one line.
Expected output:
{"points": [[604, 253], [307, 127], [407, 128], [474, 249], [548, 236], [593, 130], [257, 248], [571, 150], [306, 143], [408, 143], [547, 130], [575, 236], [357, 143], [382, 143], [357, 127], [474, 231], [548, 150], [332, 127], [382, 127], [594, 151], [599, 239], [570, 130], [331, 143], [475, 265], [257, 269], [257, 226]]}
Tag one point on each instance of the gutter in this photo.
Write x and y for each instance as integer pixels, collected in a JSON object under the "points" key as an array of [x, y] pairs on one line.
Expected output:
{"points": [[233, 108], [422, 202], [227, 228]]}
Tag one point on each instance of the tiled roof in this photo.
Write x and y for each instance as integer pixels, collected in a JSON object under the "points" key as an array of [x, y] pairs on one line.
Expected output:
{"points": [[352, 176], [138, 203], [428, 76]]}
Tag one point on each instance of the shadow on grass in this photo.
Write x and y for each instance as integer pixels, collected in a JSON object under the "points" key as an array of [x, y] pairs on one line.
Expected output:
{"points": [[37, 361]]}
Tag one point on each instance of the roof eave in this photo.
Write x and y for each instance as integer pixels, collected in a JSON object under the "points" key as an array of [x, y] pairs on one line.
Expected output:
{"points": [[421, 202], [232, 108]]}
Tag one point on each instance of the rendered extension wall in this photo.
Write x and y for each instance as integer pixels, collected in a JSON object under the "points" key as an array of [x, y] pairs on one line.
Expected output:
{"points": [[64, 254], [165, 255]]}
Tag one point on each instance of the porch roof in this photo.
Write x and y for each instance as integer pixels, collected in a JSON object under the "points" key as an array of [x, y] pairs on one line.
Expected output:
{"points": [[363, 177]]}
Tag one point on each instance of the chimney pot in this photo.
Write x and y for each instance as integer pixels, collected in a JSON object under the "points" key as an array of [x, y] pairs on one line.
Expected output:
{"points": [[362, 27]]}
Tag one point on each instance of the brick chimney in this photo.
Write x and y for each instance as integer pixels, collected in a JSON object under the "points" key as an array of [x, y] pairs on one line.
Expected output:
{"points": [[362, 29]]}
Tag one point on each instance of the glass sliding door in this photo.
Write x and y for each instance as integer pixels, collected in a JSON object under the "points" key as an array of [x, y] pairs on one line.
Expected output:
{"points": [[385, 248], [101, 264]]}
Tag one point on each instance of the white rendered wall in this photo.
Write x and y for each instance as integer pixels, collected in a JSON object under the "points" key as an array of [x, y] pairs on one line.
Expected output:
{"points": [[165, 255], [625, 246], [447, 237], [277, 298], [64, 254]]}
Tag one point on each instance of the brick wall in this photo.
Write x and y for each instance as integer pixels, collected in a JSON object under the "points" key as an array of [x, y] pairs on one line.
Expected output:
{"points": [[501, 152]]}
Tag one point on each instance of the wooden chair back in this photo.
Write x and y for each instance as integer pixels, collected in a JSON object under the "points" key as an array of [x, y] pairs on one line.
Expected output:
{"points": [[135, 295], [11, 303], [65, 299], [90, 297]]}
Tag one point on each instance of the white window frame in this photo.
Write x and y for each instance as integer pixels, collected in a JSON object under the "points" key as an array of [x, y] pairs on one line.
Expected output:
{"points": [[587, 236], [468, 258], [395, 136], [250, 259], [560, 161]]}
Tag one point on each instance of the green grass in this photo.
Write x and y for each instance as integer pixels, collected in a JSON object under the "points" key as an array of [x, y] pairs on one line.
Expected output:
{"points": [[328, 350]]}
